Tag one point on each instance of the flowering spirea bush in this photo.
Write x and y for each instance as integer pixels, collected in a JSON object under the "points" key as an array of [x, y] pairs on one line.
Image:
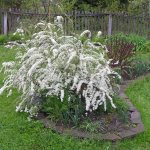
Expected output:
{"points": [[52, 62]]}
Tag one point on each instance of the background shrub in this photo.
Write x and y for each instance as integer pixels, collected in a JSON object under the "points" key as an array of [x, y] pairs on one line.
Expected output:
{"points": [[138, 68], [3, 39], [121, 52], [141, 43]]}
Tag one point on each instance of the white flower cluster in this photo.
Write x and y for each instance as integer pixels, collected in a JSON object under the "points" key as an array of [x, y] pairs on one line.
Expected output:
{"points": [[99, 34], [53, 62], [19, 32], [58, 20], [86, 33]]}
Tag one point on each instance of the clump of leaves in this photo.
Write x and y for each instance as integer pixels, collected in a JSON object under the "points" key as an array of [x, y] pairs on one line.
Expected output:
{"points": [[69, 112], [122, 109], [15, 37], [140, 43], [90, 126], [138, 67]]}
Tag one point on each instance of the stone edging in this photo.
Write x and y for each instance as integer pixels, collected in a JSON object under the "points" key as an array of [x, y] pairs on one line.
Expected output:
{"points": [[134, 117]]}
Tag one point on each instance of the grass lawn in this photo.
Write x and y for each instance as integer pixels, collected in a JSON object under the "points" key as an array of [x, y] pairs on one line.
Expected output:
{"points": [[17, 133]]}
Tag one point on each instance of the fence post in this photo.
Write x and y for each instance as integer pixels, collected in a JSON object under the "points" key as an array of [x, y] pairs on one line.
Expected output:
{"points": [[4, 23], [75, 18], [110, 24]]}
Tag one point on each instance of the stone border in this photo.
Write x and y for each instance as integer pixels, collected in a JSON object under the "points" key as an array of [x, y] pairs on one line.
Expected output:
{"points": [[134, 117]]}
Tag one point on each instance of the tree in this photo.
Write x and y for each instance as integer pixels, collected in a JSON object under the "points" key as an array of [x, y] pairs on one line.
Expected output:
{"points": [[108, 5], [8, 4]]}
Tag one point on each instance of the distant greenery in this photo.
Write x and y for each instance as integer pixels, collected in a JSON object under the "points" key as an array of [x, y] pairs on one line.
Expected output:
{"points": [[18, 3], [103, 4], [131, 6]]}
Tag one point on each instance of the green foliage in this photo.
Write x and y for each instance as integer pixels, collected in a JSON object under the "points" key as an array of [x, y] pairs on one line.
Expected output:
{"points": [[120, 104], [140, 65], [122, 109], [141, 43], [18, 3], [68, 5], [138, 68], [15, 37], [71, 112], [83, 39], [90, 126], [68, 111], [134, 6], [137, 6], [3, 39], [101, 40]]}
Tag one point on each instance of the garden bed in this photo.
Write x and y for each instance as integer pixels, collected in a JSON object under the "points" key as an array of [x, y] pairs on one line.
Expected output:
{"points": [[115, 130]]}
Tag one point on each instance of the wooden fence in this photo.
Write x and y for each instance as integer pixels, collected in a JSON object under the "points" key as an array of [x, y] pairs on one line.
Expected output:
{"points": [[77, 21]]}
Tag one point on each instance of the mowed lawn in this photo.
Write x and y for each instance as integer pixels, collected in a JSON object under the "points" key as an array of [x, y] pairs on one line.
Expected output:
{"points": [[17, 133]]}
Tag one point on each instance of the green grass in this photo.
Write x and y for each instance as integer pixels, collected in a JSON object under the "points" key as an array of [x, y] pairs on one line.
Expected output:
{"points": [[17, 133]]}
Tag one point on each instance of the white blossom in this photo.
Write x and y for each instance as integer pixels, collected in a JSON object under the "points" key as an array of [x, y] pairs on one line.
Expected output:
{"points": [[53, 62], [19, 31], [58, 20], [99, 34], [86, 33]]}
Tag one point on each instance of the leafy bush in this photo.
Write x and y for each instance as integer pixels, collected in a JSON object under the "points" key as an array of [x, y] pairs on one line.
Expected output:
{"points": [[138, 67], [141, 43], [3, 39], [121, 53], [53, 62]]}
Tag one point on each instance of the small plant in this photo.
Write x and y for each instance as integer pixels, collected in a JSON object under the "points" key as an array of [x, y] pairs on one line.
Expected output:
{"points": [[90, 126]]}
